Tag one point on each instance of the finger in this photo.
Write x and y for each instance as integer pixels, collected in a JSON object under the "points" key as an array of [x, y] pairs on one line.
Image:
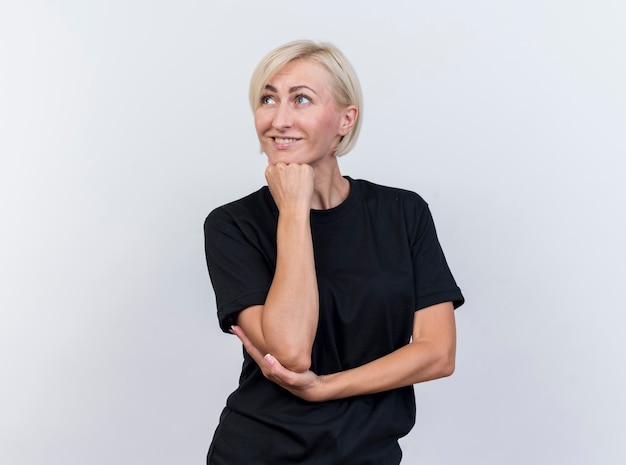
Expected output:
{"points": [[274, 368], [279, 373]]}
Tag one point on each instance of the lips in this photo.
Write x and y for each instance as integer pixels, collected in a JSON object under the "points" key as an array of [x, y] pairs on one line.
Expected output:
{"points": [[284, 140]]}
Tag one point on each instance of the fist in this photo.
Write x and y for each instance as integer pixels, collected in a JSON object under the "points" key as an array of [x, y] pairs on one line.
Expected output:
{"points": [[291, 186]]}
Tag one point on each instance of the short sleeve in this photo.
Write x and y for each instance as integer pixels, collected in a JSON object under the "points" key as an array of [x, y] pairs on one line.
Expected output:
{"points": [[241, 272], [434, 282]]}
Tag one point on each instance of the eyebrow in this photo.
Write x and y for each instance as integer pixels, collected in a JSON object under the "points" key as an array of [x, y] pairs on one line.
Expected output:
{"points": [[271, 88]]}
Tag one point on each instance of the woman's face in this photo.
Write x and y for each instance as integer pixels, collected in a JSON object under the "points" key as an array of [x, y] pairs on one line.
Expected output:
{"points": [[298, 120]]}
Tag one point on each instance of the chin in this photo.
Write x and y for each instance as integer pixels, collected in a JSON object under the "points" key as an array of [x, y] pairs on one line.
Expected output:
{"points": [[282, 158]]}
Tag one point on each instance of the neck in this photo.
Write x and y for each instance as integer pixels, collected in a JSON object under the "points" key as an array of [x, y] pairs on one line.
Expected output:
{"points": [[331, 188]]}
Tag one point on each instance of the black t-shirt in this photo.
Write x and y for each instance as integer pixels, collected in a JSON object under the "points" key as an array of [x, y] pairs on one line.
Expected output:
{"points": [[378, 260]]}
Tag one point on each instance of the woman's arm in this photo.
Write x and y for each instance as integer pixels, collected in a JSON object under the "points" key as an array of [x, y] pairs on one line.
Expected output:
{"points": [[429, 355], [286, 324]]}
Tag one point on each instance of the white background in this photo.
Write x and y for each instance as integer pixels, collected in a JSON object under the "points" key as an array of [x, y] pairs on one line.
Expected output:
{"points": [[123, 123]]}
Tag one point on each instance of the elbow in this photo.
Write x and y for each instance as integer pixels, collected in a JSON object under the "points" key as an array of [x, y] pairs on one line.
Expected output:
{"points": [[447, 367], [293, 354], [297, 364], [296, 360], [446, 364]]}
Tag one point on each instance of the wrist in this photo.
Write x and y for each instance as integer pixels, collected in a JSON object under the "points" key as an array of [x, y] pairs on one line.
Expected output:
{"points": [[329, 387], [296, 210]]}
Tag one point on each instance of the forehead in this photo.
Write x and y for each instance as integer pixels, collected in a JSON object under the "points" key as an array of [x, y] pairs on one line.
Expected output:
{"points": [[302, 71]]}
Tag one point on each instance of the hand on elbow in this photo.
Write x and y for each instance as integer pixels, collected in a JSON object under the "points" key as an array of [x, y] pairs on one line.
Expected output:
{"points": [[296, 361], [294, 357]]}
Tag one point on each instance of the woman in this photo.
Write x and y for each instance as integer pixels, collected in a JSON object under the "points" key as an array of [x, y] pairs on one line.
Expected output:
{"points": [[337, 288]]}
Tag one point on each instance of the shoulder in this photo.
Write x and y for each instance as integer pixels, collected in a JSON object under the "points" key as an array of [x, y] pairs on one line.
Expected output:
{"points": [[388, 196], [244, 208]]}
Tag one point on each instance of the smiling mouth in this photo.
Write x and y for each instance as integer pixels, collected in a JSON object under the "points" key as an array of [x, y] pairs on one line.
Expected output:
{"points": [[283, 140]]}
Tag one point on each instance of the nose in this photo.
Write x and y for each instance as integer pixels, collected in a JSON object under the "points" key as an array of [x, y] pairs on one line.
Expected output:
{"points": [[283, 116]]}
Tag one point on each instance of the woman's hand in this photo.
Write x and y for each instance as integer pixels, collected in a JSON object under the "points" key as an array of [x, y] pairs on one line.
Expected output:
{"points": [[306, 385], [291, 186]]}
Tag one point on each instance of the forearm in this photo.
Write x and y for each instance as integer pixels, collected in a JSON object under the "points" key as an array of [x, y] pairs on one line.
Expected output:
{"points": [[414, 363], [287, 323], [430, 355], [290, 316]]}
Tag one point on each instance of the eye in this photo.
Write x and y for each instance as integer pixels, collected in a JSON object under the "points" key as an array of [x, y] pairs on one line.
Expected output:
{"points": [[267, 100], [302, 99]]}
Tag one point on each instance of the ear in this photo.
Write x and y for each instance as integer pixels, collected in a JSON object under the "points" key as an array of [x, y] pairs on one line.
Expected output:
{"points": [[348, 119]]}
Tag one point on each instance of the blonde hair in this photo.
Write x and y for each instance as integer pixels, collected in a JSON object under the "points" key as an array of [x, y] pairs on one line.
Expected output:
{"points": [[345, 83]]}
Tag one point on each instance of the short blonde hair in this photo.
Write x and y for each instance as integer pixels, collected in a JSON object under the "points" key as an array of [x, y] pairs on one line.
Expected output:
{"points": [[346, 88]]}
